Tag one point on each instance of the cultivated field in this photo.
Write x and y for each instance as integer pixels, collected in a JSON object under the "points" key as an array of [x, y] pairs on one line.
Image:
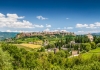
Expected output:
{"points": [[28, 46]]}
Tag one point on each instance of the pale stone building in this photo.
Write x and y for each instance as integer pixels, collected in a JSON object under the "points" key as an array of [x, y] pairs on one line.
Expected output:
{"points": [[90, 37]]}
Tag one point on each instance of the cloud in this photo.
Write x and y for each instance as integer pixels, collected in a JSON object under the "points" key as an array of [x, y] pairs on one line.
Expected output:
{"points": [[65, 27], [81, 25], [47, 30], [88, 31], [55, 30], [69, 27], [91, 26], [97, 24], [48, 25], [8, 30], [41, 18], [17, 31], [2, 15], [67, 18], [80, 31], [14, 16], [64, 30], [88, 28], [39, 26], [15, 21]]}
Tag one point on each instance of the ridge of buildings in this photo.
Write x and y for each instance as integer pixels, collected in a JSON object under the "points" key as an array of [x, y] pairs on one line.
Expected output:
{"points": [[43, 33]]}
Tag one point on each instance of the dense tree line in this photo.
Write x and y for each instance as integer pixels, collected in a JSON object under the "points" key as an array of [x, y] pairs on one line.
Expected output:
{"points": [[81, 39], [82, 42], [96, 39], [40, 60]]}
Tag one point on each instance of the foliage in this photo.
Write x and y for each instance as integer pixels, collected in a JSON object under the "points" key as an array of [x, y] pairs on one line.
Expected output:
{"points": [[93, 45], [81, 39], [5, 61], [39, 60], [98, 45], [42, 49]]}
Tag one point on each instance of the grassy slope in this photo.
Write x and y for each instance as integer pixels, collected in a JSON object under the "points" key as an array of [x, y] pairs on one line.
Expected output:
{"points": [[97, 50], [90, 53]]}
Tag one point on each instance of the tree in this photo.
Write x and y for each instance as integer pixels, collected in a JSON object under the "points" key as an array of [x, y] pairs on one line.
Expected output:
{"points": [[87, 46], [93, 45]]}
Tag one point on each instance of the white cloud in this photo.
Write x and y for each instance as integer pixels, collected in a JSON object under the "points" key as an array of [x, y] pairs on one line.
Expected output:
{"points": [[15, 21], [48, 25], [81, 25], [41, 18], [69, 27], [80, 31], [2, 15], [55, 30], [88, 31], [19, 31], [39, 26], [91, 26], [67, 18], [14, 16], [12, 21], [63, 30], [97, 24], [47, 30], [8, 30], [65, 27]]}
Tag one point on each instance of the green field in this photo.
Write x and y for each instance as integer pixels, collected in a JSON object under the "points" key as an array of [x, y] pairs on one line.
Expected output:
{"points": [[97, 50], [90, 53]]}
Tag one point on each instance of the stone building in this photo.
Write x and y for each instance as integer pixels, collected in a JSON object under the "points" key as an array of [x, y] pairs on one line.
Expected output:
{"points": [[90, 37]]}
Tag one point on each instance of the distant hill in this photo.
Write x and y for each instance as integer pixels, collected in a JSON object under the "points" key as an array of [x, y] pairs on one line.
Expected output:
{"points": [[4, 35], [95, 33]]}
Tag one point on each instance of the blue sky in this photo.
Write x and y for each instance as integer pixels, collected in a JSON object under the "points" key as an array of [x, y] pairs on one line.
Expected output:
{"points": [[79, 16]]}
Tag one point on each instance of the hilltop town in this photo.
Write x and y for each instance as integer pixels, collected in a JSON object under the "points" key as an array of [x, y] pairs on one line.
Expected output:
{"points": [[43, 33]]}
